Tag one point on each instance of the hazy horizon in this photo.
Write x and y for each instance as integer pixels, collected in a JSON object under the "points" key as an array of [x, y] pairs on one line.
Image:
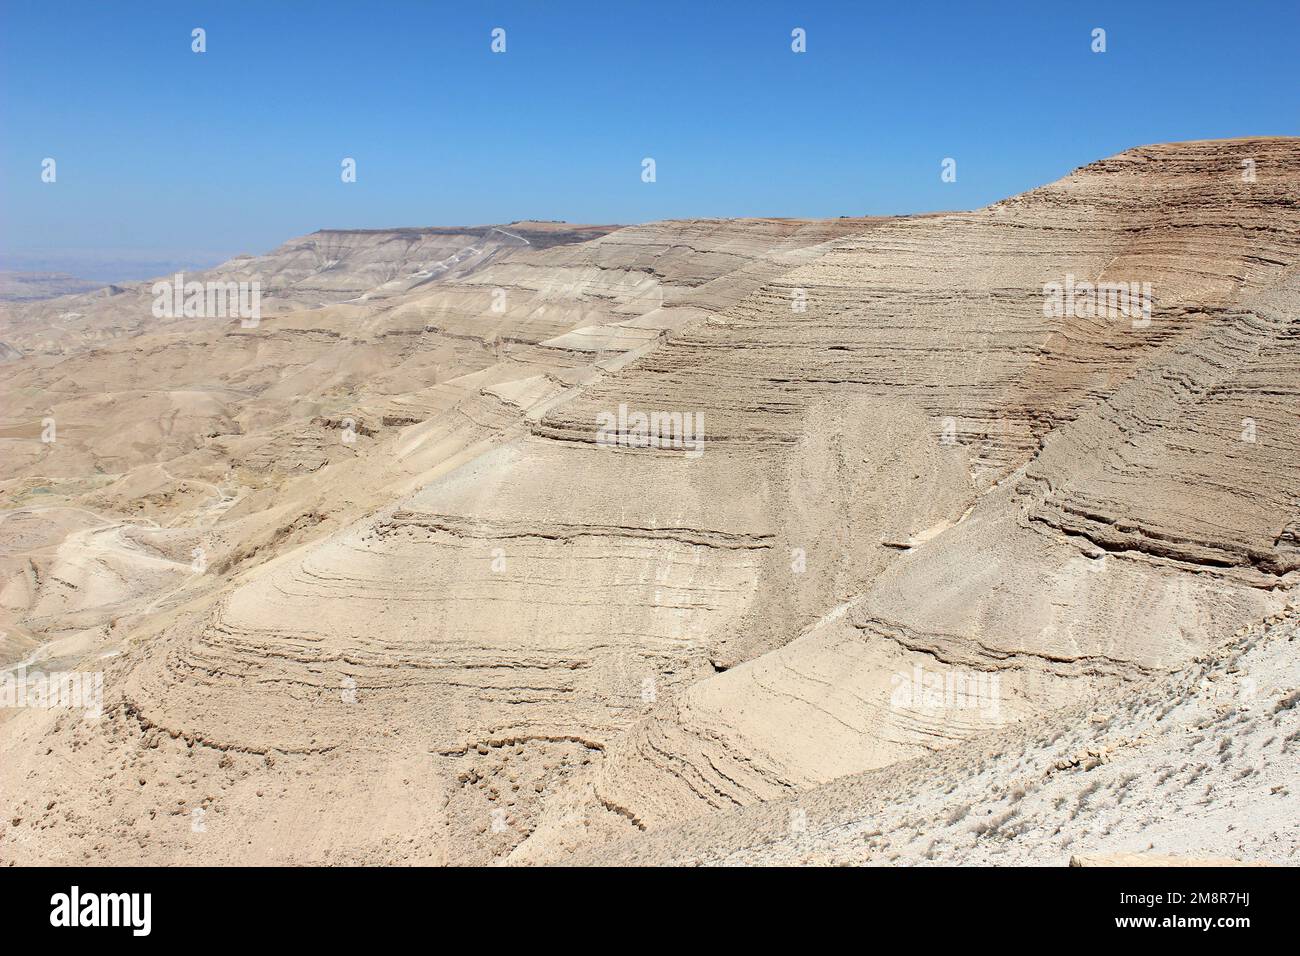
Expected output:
{"points": [[239, 147]]}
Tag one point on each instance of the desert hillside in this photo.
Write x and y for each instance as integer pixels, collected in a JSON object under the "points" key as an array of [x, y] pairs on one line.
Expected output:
{"points": [[368, 582]]}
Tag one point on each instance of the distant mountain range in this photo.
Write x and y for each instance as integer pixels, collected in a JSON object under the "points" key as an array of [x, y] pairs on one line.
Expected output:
{"points": [[31, 286]]}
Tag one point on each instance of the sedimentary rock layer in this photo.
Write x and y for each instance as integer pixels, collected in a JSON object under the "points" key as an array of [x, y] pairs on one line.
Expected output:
{"points": [[481, 630]]}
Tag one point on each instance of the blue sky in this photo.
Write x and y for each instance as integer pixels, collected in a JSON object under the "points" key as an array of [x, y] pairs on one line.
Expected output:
{"points": [[168, 157]]}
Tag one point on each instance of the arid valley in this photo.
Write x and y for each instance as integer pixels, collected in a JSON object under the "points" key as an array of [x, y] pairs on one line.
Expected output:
{"points": [[957, 538]]}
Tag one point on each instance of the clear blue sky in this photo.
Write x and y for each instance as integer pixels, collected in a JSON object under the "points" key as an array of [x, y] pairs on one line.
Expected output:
{"points": [[167, 155]]}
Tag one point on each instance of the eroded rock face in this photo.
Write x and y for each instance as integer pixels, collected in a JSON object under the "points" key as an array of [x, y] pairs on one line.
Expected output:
{"points": [[1114, 525], [1196, 764], [490, 632]]}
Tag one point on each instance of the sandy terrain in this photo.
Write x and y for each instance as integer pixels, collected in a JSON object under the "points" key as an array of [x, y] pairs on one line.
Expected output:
{"points": [[366, 583]]}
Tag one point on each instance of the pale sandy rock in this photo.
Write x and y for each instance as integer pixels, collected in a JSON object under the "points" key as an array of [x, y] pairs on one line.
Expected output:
{"points": [[440, 621]]}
